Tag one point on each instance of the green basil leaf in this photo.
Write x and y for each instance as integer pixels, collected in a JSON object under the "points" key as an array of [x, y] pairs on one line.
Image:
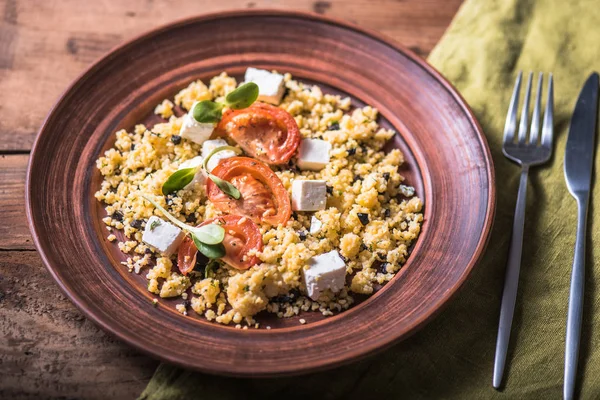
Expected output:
{"points": [[216, 150], [210, 234], [243, 96], [178, 180], [209, 250], [207, 112], [226, 187]]}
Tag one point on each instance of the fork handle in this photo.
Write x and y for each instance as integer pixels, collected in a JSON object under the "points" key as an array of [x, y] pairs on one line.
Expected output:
{"points": [[575, 314], [511, 281]]}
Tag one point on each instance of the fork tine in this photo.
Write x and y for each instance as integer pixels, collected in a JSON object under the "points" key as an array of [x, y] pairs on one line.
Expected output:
{"points": [[511, 117], [525, 112], [548, 128], [535, 119]]}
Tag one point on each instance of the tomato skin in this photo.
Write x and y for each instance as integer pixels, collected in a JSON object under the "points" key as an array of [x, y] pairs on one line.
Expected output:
{"points": [[264, 199], [186, 256], [267, 133], [241, 236]]}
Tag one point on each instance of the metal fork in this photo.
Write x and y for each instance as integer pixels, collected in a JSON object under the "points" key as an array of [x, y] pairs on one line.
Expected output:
{"points": [[528, 149]]}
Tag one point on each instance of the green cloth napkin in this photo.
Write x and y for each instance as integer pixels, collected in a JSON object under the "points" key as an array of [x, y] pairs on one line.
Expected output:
{"points": [[452, 357]]}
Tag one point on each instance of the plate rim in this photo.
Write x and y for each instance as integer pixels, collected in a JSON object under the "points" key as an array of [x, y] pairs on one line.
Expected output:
{"points": [[384, 39]]}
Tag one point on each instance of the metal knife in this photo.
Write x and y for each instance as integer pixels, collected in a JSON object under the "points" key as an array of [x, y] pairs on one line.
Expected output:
{"points": [[579, 163]]}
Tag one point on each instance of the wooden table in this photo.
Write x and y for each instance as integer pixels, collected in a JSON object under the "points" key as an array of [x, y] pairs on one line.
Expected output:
{"points": [[48, 349]]}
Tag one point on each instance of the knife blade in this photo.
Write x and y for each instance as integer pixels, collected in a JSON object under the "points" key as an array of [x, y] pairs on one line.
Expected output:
{"points": [[579, 153], [579, 163]]}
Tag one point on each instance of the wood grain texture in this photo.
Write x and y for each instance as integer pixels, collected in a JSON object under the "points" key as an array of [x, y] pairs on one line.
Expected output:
{"points": [[49, 350], [45, 45], [436, 129], [14, 233]]}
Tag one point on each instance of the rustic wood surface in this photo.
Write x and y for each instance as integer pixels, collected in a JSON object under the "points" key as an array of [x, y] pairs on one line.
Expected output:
{"points": [[48, 349]]}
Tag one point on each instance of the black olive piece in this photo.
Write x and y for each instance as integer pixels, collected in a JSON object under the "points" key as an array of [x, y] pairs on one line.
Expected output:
{"points": [[383, 267], [334, 127], [329, 189], [363, 217], [302, 235], [117, 215], [386, 213], [352, 151], [137, 223], [281, 299], [190, 218], [132, 147], [201, 263], [293, 295], [386, 175], [381, 256], [176, 139]]}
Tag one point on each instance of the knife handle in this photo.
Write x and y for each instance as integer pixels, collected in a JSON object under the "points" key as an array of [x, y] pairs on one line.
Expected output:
{"points": [[575, 314], [511, 281]]}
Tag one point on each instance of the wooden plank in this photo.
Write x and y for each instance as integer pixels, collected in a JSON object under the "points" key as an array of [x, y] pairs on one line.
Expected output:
{"points": [[49, 350], [14, 233], [45, 45]]}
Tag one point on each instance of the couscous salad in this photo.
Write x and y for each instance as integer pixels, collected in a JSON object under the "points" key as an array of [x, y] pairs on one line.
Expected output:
{"points": [[263, 196]]}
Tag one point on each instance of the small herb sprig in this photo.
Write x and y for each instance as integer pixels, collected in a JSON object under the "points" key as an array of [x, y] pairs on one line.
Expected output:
{"points": [[210, 112], [181, 178], [207, 238], [226, 187], [178, 180]]}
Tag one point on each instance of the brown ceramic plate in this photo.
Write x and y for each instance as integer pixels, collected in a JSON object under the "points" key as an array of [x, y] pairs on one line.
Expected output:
{"points": [[448, 161]]}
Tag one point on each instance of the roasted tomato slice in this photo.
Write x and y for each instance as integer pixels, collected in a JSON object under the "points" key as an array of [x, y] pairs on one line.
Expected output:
{"points": [[264, 199], [241, 236], [186, 256], [265, 132]]}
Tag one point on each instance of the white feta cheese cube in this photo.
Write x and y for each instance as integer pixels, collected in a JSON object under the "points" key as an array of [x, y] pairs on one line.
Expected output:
{"points": [[315, 225], [192, 162], [162, 235], [308, 195], [195, 131], [209, 146], [195, 162], [271, 86], [325, 271], [313, 154]]}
